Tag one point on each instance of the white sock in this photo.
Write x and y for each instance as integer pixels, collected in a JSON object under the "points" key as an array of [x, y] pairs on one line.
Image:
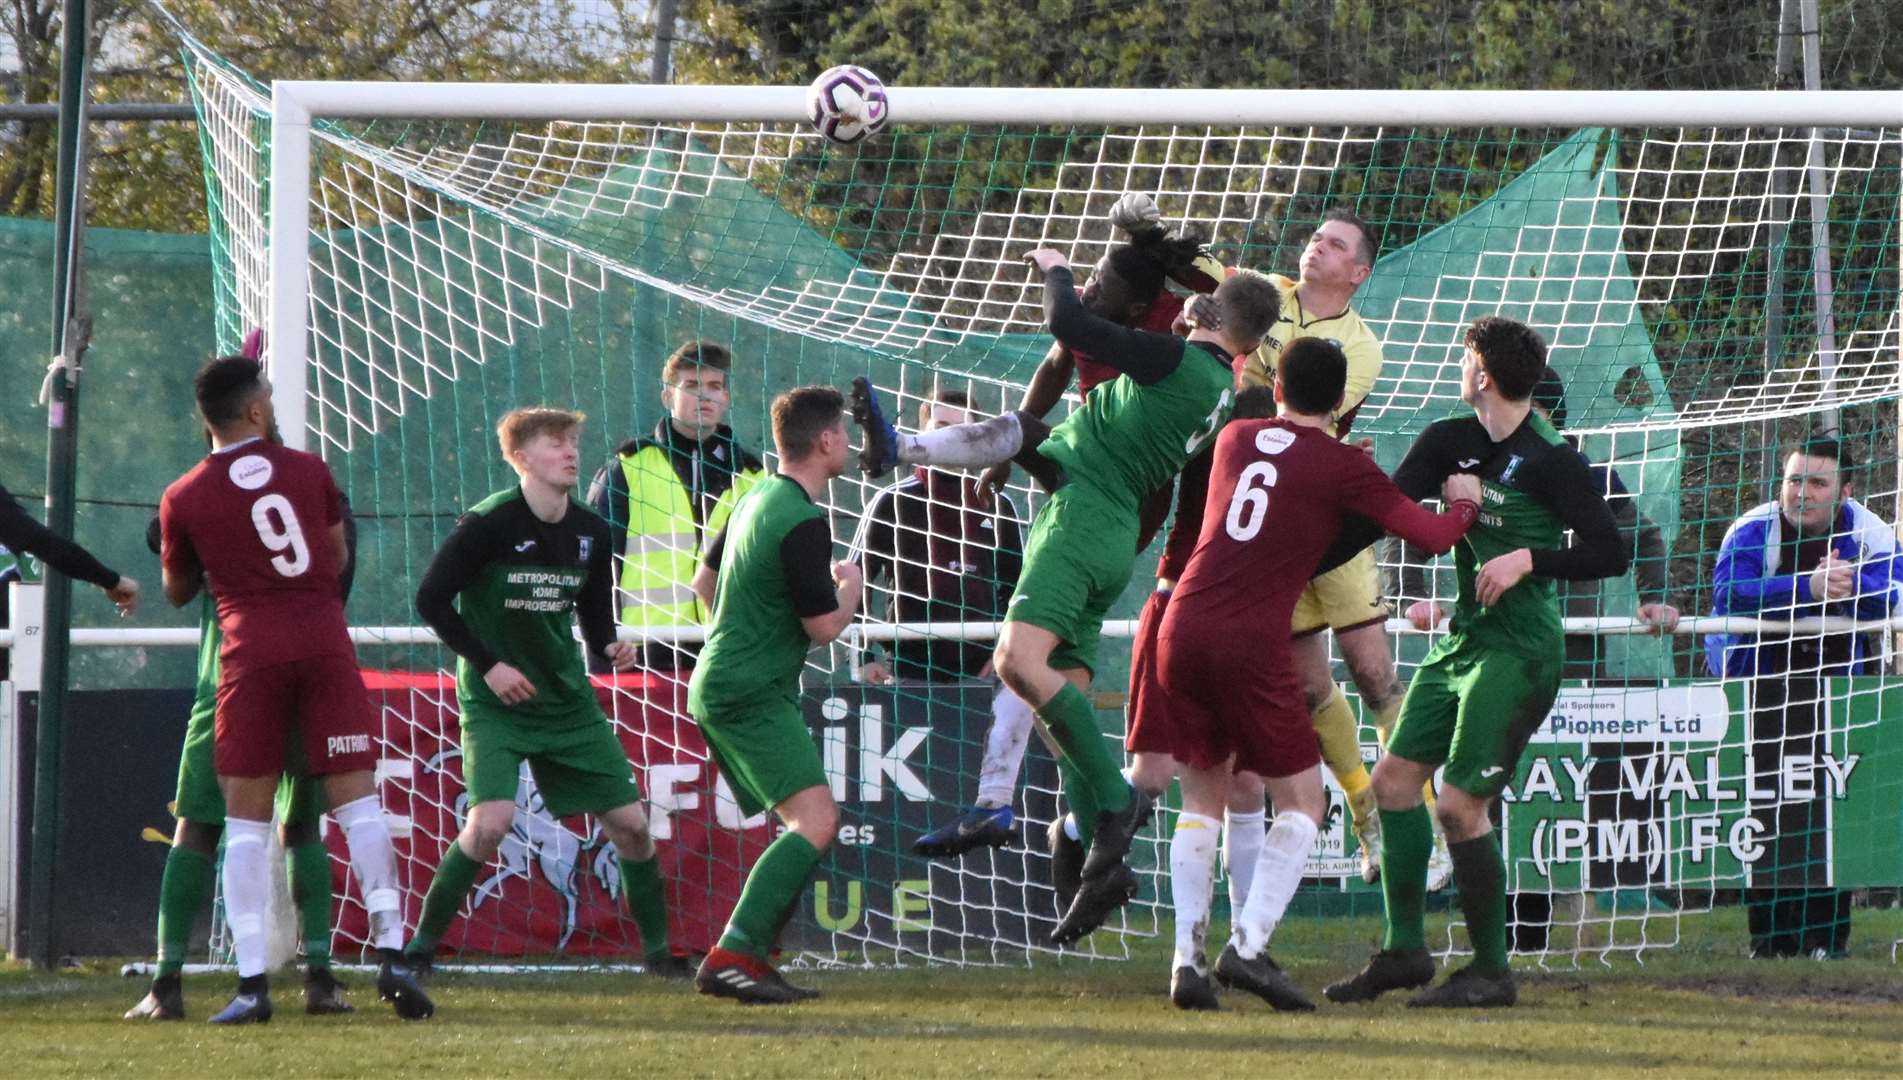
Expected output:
{"points": [[1241, 847], [247, 890], [1277, 872], [373, 861], [1004, 749], [1192, 879], [976, 445]]}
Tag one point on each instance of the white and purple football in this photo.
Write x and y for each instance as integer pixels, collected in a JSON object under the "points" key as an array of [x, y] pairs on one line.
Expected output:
{"points": [[847, 103]]}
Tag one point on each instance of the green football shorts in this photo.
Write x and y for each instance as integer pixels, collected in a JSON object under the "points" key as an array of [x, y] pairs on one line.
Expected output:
{"points": [[1076, 564], [578, 769], [765, 752], [299, 799], [1473, 709]]}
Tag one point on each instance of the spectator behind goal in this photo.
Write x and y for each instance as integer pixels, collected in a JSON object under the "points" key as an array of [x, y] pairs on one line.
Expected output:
{"points": [[666, 494], [1812, 551]]}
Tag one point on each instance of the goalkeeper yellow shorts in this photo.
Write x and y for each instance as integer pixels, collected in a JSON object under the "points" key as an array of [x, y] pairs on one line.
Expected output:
{"points": [[1345, 598]]}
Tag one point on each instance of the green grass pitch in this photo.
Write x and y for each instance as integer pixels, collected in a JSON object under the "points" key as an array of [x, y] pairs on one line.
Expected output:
{"points": [[1700, 1009]]}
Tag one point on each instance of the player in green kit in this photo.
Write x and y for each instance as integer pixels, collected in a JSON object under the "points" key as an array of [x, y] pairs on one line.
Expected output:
{"points": [[1485, 687], [1129, 438], [503, 592], [775, 591]]}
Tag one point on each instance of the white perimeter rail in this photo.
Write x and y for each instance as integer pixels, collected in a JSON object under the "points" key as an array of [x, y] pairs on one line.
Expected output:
{"points": [[187, 637]]}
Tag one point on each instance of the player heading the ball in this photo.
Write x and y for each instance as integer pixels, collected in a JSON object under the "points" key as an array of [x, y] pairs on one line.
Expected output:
{"points": [[1129, 438]]}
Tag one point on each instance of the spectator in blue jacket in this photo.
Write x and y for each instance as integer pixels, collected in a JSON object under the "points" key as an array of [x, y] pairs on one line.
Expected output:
{"points": [[1815, 551]]}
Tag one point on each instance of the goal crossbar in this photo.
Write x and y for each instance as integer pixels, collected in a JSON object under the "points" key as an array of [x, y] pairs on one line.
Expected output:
{"points": [[343, 100], [297, 104]]}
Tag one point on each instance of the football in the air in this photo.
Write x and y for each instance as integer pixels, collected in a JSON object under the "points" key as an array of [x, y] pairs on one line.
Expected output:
{"points": [[847, 103]]}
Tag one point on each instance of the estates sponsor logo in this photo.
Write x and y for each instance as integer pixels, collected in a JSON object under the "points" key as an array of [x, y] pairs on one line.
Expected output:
{"points": [[1274, 440], [250, 472]]}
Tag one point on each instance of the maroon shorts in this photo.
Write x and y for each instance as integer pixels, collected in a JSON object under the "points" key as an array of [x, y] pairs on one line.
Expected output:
{"points": [[1148, 731], [1221, 695], [319, 700]]}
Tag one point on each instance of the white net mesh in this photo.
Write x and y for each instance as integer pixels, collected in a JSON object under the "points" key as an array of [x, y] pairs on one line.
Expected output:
{"points": [[458, 270]]}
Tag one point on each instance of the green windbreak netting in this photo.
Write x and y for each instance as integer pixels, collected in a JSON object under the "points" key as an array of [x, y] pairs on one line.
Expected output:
{"points": [[459, 270], [151, 301]]}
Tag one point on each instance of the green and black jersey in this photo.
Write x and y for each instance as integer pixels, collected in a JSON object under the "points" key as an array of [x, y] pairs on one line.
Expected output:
{"points": [[775, 564], [1533, 487], [1133, 434], [508, 586]]}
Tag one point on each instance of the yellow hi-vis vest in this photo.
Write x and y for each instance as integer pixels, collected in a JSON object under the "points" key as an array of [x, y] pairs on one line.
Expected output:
{"points": [[663, 551]]}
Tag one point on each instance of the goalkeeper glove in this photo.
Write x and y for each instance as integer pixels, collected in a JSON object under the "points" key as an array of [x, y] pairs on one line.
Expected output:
{"points": [[1138, 215]]}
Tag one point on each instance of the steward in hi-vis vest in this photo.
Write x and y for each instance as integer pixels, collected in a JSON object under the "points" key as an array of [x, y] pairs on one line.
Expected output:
{"points": [[665, 494]]}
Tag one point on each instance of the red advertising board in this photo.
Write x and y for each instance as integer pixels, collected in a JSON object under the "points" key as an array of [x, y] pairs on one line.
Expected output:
{"points": [[554, 887]]}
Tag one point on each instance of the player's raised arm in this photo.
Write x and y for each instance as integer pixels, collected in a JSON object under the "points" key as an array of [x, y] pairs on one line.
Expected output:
{"points": [[1049, 381], [454, 568], [1143, 356]]}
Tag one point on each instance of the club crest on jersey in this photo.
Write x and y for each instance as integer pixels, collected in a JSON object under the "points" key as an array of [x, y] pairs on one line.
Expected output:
{"points": [[587, 543], [1513, 465], [250, 472], [1274, 440]]}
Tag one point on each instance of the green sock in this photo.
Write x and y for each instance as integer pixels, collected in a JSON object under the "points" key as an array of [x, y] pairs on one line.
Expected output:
{"points": [[1081, 800], [454, 877], [1072, 721], [772, 888], [182, 893], [308, 867], [1481, 876], [647, 902], [1407, 839]]}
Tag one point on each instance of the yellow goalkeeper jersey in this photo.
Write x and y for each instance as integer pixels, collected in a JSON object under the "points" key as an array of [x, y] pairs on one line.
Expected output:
{"points": [[1346, 329]]}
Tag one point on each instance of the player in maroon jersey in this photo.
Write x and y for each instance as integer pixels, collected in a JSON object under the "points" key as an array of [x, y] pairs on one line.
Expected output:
{"points": [[261, 526], [1278, 490]]}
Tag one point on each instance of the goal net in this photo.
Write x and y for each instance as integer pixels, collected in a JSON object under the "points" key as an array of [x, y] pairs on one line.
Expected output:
{"points": [[1708, 293]]}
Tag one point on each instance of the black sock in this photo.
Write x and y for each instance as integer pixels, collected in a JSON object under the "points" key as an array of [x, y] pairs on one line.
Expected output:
{"points": [[255, 984]]}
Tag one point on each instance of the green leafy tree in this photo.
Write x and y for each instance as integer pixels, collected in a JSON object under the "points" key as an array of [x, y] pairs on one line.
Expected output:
{"points": [[147, 175]]}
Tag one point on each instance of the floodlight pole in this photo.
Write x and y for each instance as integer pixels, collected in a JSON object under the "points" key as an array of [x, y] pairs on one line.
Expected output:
{"points": [[1820, 220], [70, 333], [660, 69], [1781, 185]]}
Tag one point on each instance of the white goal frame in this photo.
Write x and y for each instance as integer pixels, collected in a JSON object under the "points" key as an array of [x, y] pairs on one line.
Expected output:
{"points": [[297, 104]]}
